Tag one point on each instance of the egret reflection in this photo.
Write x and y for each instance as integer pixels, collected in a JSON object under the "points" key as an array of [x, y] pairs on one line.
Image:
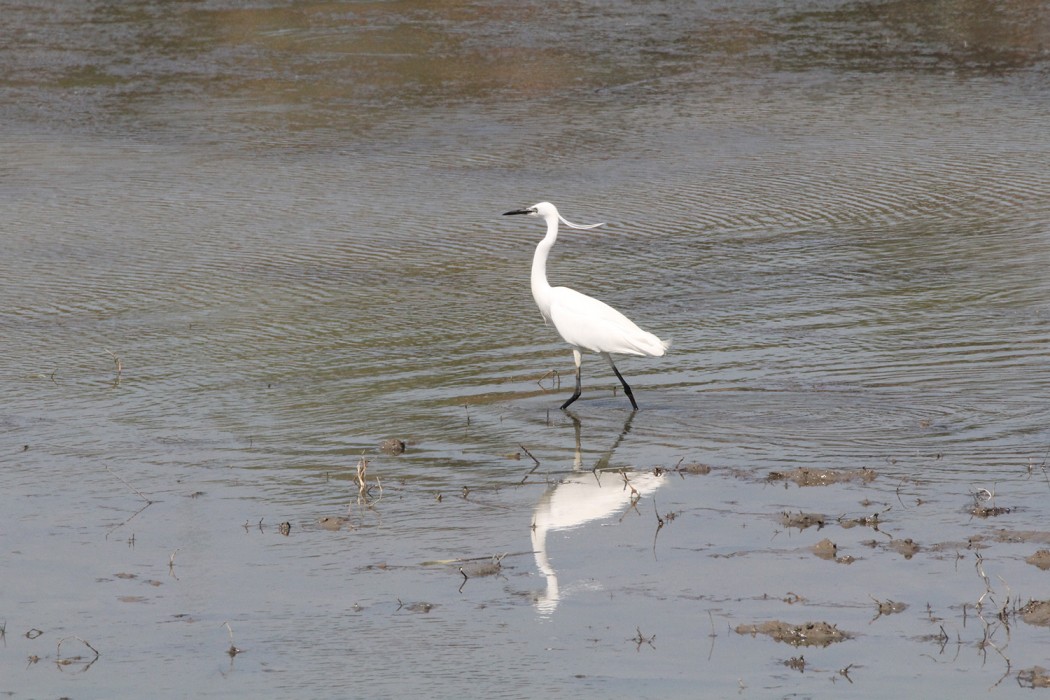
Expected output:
{"points": [[583, 496]]}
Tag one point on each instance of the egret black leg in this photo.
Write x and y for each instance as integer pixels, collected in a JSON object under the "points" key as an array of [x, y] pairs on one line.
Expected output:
{"points": [[579, 389], [626, 387]]}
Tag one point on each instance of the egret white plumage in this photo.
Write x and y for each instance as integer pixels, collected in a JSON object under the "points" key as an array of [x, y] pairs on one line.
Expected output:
{"points": [[584, 322]]}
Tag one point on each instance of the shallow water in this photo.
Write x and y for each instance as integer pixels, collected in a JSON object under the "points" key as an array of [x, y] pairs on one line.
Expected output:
{"points": [[283, 222]]}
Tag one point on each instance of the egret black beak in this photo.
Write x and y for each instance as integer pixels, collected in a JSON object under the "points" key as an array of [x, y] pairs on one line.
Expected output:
{"points": [[520, 211]]}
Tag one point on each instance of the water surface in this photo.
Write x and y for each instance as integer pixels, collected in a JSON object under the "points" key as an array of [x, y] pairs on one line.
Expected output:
{"points": [[245, 244]]}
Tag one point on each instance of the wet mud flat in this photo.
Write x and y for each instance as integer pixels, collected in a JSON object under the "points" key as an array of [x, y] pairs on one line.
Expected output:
{"points": [[747, 581], [968, 613]]}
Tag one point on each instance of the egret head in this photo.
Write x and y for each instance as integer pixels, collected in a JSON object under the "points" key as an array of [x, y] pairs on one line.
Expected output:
{"points": [[549, 213]]}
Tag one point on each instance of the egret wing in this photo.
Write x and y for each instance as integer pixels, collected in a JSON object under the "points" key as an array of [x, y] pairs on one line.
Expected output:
{"points": [[589, 324]]}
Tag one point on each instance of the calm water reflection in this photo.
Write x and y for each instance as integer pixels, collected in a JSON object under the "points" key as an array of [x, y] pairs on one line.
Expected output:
{"points": [[283, 219]]}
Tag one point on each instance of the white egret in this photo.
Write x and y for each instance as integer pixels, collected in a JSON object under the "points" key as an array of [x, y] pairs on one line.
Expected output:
{"points": [[582, 321]]}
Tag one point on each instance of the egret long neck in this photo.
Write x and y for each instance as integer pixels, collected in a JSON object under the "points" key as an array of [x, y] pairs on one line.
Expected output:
{"points": [[541, 289]]}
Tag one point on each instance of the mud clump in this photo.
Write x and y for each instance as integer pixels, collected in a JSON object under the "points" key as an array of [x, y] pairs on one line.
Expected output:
{"points": [[1036, 612], [802, 520], [1025, 536], [888, 607], [804, 476], [828, 550], [481, 570], [907, 548], [332, 523], [974, 543], [1040, 559], [809, 634], [871, 521], [695, 468], [421, 607], [825, 549], [1035, 677], [393, 446], [982, 511]]}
